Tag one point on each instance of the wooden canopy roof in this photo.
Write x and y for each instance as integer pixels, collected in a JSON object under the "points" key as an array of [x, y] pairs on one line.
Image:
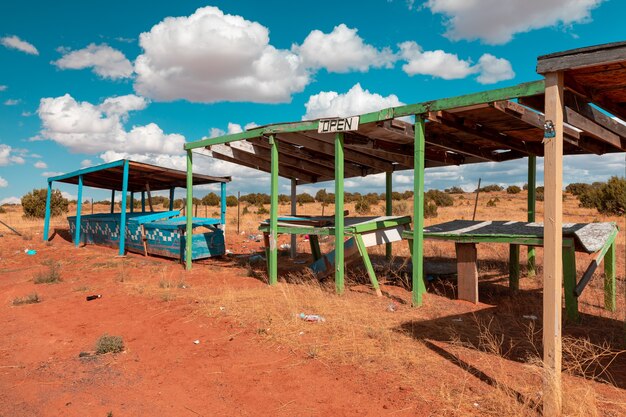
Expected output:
{"points": [[141, 177]]}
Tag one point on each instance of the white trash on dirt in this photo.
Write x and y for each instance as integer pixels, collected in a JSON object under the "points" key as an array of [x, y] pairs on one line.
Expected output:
{"points": [[312, 317]]}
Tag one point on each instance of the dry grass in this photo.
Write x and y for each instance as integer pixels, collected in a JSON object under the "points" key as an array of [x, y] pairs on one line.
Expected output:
{"points": [[109, 344], [29, 299], [50, 275]]}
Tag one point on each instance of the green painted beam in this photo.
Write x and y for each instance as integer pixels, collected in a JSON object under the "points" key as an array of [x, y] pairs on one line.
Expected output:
{"points": [[514, 267], [368, 263], [417, 247], [189, 211], [339, 220], [273, 235], [388, 208], [532, 204], [609, 278], [569, 283]]}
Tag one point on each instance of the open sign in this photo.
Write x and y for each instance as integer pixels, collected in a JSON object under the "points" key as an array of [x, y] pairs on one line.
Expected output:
{"points": [[338, 125]]}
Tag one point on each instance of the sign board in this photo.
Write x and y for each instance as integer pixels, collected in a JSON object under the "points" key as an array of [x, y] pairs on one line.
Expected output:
{"points": [[338, 125]]}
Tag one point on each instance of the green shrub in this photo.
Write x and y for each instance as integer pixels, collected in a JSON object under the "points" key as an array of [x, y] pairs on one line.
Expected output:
{"points": [[362, 206], [261, 210], [455, 190], [305, 198], [513, 189], [372, 198], [578, 188], [231, 201], [401, 208], [608, 198], [109, 344], [491, 188], [492, 202], [430, 209], [440, 198], [245, 211], [211, 199], [539, 196], [34, 203]]}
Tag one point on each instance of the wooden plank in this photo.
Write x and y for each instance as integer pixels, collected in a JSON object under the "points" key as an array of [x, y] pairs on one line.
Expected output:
{"points": [[581, 58], [467, 272], [592, 129], [553, 237]]}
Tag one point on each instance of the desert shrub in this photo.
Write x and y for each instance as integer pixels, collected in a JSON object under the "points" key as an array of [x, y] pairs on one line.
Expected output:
{"points": [[165, 203], [109, 344], [211, 199], [407, 195], [430, 209], [34, 203], [362, 206], [539, 196], [540, 189], [372, 198], [231, 201], [305, 198], [578, 188], [525, 186], [283, 199], [455, 190], [245, 211], [513, 189], [440, 198], [396, 196], [50, 275], [178, 203], [461, 197], [491, 202], [256, 198], [401, 208], [491, 188], [2, 210], [29, 299], [607, 198], [261, 210]]}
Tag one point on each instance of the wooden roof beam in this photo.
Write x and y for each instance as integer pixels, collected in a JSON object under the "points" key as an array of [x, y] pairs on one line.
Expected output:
{"points": [[444, 142]]}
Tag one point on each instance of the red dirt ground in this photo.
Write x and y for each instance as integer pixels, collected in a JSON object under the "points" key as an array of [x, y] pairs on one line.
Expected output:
{"points": [[162, 372]]}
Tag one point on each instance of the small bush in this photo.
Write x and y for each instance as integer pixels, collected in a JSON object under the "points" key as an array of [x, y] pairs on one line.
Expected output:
{"points": [[2, 210], [401, 208], [513, 189], [211, 199], [34, 203], [109, 344], [49, 276], [29, 299], [539, 196], [430, 209], [262, 210], [491, 188], [305, 198], [362, 206], [440, 198], [245, 211], [608, 198], [231, 201], [455, 190], [492, 202]]}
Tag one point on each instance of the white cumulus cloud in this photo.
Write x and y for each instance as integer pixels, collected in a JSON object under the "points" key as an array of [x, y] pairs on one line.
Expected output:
{"points": [[342, 50], [40, 165], [12, 102], [210, 56], [88, 128], [497, 21], [439, 63], [107, 62], [3, 183], [10, 200], [8, 156], [13, 42], [355, 101]]}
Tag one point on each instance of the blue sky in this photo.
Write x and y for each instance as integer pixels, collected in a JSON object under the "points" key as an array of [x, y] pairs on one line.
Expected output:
{"points": [[87, 82]]}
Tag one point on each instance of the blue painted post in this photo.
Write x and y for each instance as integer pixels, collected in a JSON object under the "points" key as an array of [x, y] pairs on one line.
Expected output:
{"points": [[132, 201], [123, 212], [79, 207], [46, 223], [223, 205], [143, 201], [189, 215], [172, 198], [112, 201]]}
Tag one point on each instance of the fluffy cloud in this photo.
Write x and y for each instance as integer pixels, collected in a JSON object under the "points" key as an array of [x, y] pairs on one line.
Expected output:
{"points": [[3, 87], [496, 21], [342, 50], [232, 128], [211, 56], [3, 183], [105, 61], [355, 101], [12, 102], [86, 163], [10, 200], [13, 42], [8, 157], [40, 165], [449, 66], [88, 128]]}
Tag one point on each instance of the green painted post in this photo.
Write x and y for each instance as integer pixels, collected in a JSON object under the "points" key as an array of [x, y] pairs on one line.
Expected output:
{"points": [[123, 210], [358, 239], [513, 267], [569, 281], [388, 207], [417, 252], [112, 201], [339, 221], [143, 201], [46, 223], [532, 198], [609, 279], [79, 207], [273, 235], [172, 198], [189, 212]]}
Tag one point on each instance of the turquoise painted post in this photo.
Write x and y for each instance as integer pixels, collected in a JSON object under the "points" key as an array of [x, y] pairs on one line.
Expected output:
{"points": [[123, 210], [273, 249], [79, 207], [189, 214], [417, 250], [143, 201], [132, 201], [172, 198], [112, 201], [532, 198], [388, 207], [46, 223], [339, 221], [223, 205]]}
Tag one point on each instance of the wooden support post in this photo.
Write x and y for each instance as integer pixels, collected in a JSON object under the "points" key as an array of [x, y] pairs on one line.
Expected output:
{"points": [[315, 247], [172, 195], [532, 199], [388, 208], [609, 279], [143, 201], [339, 220], [122, 249], [417, 249], [514, 267], [273, 235], [569, 281], [79, 207], [223, 206], [132, 201], [189, 214], [553, 240], [46, 223], [467, 272], [150, 196], [294, 212], [112, 201]]}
